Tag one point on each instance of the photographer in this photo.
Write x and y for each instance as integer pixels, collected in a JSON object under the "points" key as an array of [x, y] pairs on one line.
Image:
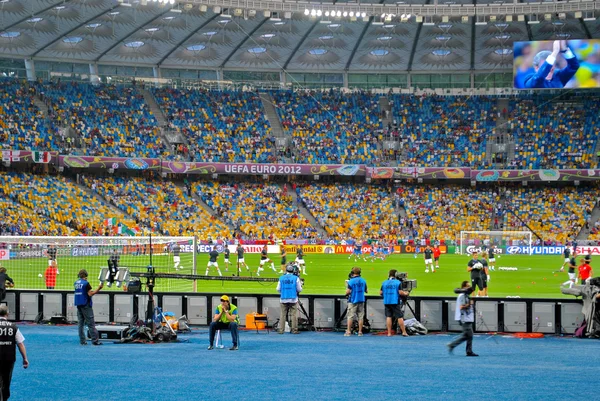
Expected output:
{"points": [[392, 301], [289, 286], [357, 288], [5, 281], [465, 314]]}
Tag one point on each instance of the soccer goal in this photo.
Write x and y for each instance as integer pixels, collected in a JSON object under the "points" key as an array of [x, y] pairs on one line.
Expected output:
{"points": [[54, 262], [477, 240]]}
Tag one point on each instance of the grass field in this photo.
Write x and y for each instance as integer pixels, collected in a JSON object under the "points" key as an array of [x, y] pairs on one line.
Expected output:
{"points": [[535, 277]]}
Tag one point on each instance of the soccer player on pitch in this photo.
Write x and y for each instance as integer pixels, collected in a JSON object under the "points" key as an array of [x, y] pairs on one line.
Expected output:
{"points": [[300, 259], [566, 253], [213, 255], [51, 251], [264, 258], [436, 256], [240, 258], [283, 258], [428, 259], [491, 259], [176, 249], [226, 254], [571, 272]]}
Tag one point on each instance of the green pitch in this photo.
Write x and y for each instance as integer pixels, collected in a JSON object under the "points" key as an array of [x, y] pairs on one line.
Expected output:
{"points": [[535, 276]]}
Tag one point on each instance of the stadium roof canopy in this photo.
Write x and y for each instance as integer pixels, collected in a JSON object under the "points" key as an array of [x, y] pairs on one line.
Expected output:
{"points": [[407, 35]]}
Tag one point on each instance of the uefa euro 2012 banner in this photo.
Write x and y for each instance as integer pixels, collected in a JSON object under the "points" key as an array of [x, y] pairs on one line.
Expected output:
{"points": [[176, 167]]}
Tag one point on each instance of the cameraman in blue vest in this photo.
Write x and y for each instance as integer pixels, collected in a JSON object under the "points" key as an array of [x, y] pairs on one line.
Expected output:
{"points": [[355, 291], [85, 312], [391, 290], [10, 338], [289, 286]]}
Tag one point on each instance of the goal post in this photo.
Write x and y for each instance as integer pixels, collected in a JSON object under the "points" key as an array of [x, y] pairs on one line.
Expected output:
{"points": [[28, 259], [478, 239]]}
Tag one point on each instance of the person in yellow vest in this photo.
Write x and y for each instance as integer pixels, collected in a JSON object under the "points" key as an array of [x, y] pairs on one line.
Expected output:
{"points": [[225, 318]]}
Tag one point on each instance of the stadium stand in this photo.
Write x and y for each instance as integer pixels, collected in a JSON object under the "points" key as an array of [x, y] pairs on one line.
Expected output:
{"points": [[442, 130], [352, 211], [556, 214], [111, 120], [227, 126], [331, 126], [20, 220], [161, 205], [441, 212], [551, 135], [59, 199], [22, 123], [257, 211]]}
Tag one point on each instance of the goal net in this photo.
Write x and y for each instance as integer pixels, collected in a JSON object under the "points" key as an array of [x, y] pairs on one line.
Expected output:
{"points": [[500, 240], [29, 260]]}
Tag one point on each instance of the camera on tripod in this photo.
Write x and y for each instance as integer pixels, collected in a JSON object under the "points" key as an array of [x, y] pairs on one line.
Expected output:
{"points": [[407, 285]]}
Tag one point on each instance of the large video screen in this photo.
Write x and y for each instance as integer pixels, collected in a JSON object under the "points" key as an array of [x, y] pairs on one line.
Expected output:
{"points": [[555, 64]]}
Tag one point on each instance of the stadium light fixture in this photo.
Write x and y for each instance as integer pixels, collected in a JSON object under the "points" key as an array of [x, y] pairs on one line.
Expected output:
{"points": [[419, 18], [445, 18], [126, 5], [177, 10], [578, 14], [203, 8], [217, 10], [465, 19], [509, 18], [520, 18], [286, 15], [306, 11], [533, 19]]}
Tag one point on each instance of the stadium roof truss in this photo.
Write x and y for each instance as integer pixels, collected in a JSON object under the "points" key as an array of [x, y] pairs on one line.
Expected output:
{"points": [[392, 36]]}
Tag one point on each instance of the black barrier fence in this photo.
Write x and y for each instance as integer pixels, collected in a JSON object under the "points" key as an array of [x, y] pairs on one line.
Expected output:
{"points": [[550, 316]]}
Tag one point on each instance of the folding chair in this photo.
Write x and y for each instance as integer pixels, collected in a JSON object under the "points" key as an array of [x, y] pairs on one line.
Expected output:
{"points": [[265, 319]]}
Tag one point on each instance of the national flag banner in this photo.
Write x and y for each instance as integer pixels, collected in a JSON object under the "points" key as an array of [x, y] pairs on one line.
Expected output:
{"points": [[11, 155], [128, 231], [40, 157], [110, 222]]}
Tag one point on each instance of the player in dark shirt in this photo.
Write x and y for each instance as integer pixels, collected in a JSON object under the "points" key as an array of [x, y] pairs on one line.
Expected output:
{"points": [[572, 271], [264, 258], [491, 259], [428, 254], [474, 266], [213, 255], [226, 254], [240, 258], [176, 249], [300, 259], [485, 273], [113, 267], [567, 258]]}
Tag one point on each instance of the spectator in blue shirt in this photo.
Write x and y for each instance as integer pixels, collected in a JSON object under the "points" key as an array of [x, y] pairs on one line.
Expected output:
{"points": [[357, 288]]}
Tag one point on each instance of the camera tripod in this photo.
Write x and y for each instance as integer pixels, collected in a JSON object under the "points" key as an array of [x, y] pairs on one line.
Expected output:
{"points": [[310, 326]]}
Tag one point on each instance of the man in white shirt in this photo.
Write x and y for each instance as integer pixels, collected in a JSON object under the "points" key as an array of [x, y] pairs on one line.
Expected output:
{"points": [[465, 314]]}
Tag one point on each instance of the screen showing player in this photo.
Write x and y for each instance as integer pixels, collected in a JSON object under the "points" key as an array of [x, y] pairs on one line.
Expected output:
{"points": [[556, 64]]}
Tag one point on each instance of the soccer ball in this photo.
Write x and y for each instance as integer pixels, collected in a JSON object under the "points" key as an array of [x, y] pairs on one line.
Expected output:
{"points": [[478, 266], [40, 275]]}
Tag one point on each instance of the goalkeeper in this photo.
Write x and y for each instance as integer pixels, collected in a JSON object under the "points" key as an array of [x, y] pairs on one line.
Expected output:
{"points": [[475, 267]]}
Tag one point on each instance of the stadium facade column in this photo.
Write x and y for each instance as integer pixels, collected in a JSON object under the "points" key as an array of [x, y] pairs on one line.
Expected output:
{"points": [[282, 78], [30, 69], [345, 78], [219, 76], [156, 72], [94, 76]]}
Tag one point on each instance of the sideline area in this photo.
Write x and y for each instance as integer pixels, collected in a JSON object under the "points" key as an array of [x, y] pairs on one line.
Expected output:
{"points": [[309, 366]]}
